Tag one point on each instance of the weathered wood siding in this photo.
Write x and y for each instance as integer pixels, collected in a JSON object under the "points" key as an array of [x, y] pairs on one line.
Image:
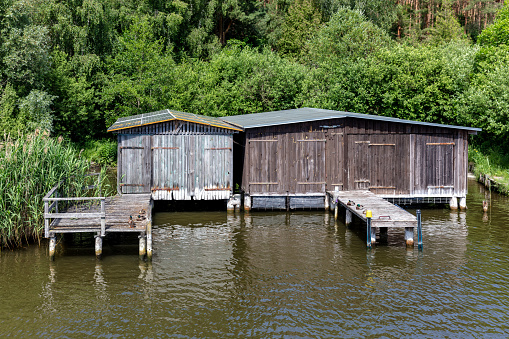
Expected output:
{"points": [[390, 159], [134, 165], [293, 159], [176, 161]]}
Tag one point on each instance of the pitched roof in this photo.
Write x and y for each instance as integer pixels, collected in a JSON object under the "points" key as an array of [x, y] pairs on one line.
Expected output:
{"points": [[306, 114], [167, 115]]}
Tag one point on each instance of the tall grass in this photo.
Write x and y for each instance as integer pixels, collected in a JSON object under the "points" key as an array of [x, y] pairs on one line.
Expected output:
{"points": [[30, 165], [493, 163]]}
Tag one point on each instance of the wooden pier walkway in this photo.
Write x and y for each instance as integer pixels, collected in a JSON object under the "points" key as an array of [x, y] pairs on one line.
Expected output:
{"points": [[384, 214], [99, 215]]}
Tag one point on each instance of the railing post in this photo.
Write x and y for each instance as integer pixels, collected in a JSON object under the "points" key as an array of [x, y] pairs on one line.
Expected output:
{"points": [[419, 229], [46, 219], [103, 218], [56, 202]]}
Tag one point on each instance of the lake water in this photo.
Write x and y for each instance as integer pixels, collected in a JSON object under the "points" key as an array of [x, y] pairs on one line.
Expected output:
{"points": [[270, 275]]}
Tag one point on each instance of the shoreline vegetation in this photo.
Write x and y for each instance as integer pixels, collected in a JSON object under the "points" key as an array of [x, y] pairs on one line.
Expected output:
{"points": [[490, 168], [30, 165]]}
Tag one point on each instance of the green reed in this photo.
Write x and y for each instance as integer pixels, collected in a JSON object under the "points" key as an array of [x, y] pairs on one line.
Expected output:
{"points": [[30, 165]]}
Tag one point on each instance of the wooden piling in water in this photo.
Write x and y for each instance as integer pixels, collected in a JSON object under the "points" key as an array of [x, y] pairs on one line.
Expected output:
{"points": [[348, 217], [149, 240], [52, 246], [247, 202], [142, 246], [98, 246], [419, 229], [409, 236], [463, 203], [453, 203]]}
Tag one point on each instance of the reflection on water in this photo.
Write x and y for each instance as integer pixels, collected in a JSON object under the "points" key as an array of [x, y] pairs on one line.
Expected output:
{"points": [[271, 274]]}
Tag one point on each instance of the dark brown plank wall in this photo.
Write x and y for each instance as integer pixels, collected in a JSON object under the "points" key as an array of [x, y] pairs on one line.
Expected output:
{"points": [[294, 158]]}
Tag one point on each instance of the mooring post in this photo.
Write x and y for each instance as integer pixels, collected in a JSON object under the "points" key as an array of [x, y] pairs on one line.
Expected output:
{"points": [[52, 246], [149, 240], [368, 228], [327, 201], [348, 217], [98, 245], [143, 248], [419, 229], [336, 208]]}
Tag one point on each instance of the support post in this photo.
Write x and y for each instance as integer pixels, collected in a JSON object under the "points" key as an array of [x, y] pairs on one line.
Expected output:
{"points": [[348, 217], [419, 229], [143, 248], [149, 240], [233, 203], [52, 246], [463, 203], [98, 246], [327, 202], [368, 228], [247, 202], [409, 236], [453, 203], [336, 208]]}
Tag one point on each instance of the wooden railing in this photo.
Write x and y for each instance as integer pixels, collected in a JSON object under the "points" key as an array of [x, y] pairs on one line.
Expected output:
{"points": [[52, 199]]}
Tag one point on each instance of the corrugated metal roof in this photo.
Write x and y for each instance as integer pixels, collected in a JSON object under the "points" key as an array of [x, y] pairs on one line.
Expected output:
{"points": [[306, 114], [167, 115]]}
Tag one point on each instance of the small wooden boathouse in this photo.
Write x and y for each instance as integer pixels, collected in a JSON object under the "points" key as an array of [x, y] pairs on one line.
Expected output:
{"points": [[175, 156], [290, 159]]}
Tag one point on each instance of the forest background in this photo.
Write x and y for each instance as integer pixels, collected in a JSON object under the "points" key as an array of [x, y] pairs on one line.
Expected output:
{"points": [[74, 66]]}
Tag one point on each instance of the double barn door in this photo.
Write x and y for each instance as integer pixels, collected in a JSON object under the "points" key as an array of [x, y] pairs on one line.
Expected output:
{"points": [[176, 166], [297, 163]]}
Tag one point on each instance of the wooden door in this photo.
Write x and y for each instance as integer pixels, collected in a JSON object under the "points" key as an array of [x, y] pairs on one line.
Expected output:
{"points": [[358, 162], [134, 170], [212, 166], [440, 166], [263, 160], [169, 167], [334, 159], [310, 163], [383, 164]]}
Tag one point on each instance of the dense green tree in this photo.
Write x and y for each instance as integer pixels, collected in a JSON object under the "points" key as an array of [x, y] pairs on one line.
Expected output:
{"points": [[137, 73], [446, 29], [498, 33], [35, 111], [300, 24], [347, 36]]}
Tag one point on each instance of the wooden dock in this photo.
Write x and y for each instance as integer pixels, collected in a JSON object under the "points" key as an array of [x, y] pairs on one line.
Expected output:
{"points": [[99, 215], [384, 215]]}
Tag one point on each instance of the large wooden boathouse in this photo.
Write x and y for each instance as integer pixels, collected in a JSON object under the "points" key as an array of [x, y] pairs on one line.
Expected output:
{"points": [[175, 156], [290, 159]]}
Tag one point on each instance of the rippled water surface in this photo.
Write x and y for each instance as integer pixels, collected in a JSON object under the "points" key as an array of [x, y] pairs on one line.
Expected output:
{"points": [[270, 275]]}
